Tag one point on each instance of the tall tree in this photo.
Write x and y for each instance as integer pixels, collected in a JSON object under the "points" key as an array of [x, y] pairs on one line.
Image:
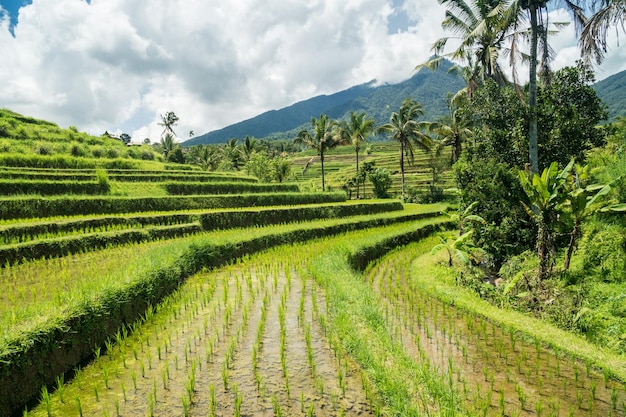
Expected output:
{"points": [[322, 139], [168, 121], [452, 130], [233, 154], [248, 147], [405, 129], [593, 36], [483, 28], [168, 144], [355, 131]]}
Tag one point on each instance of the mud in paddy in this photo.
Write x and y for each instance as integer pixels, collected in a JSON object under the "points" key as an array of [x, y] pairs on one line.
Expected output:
{"points": [[496, 372], [251, 339], [245, 340]]}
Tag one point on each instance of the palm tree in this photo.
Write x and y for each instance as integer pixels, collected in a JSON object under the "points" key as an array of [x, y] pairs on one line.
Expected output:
{"points": [[452, 130], [355, 131], [168, 120], [248, 147], [282, 168], [483, 27], [322, 139], [233, 153], [592, 39], [403, 128], [168, 144]]}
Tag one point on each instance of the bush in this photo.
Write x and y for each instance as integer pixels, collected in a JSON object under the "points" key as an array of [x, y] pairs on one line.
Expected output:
{"points": [[77, 150], [604, 252], [103, 180], [44, 149], [381, 181], [4, 131], [112, 153], [97, 152], [146, 155]]}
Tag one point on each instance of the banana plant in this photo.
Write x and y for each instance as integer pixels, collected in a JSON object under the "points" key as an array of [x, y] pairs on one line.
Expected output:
{"points": [[583, 201], [462, 248], [545, 192]]}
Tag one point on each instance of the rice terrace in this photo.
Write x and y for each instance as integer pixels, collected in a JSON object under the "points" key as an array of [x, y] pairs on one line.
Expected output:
{"points": [[136, 287]]}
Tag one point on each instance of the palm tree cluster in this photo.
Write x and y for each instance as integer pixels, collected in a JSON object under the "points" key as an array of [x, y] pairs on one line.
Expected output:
{"points": [[403, 127], [488, 30]]}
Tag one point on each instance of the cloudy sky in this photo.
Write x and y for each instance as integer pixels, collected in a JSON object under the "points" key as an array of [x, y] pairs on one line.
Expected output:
{"points": [[117, 65]]}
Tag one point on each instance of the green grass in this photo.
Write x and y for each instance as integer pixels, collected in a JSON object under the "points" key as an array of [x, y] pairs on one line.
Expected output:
{"points": [[439, 281]]}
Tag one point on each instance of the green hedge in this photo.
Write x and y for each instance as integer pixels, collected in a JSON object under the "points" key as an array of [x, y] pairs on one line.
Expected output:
{"points": [[26, 187], [254, 217], [62, 246], [359, 260], [29, 231], [120, 175], [231, 187], [23, 232], [191, 177], [40, 207], [64, 161], [48, 175], [52, 248], [40, 356]]}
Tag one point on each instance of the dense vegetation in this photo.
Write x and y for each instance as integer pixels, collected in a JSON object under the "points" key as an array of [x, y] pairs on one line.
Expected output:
{"points": [[239, 278]]}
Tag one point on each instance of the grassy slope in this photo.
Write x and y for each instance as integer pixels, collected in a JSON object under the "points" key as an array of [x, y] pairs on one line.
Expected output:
{"points": [[439, 281], [23, 135]]}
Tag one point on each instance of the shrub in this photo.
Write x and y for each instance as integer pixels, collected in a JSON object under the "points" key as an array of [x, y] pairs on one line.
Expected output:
{"points": [[381, 180], [112, 153], [97, 152], [103, 180], [146, 155], [77, 150], [604, 252], [4, 131], [44, 149]]}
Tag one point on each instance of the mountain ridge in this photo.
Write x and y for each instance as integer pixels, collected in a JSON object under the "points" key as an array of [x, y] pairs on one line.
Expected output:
{"points": [[430, 88]]}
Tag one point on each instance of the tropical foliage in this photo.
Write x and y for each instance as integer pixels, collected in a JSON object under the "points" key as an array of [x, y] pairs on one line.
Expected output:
{"points": [[404, 128]]}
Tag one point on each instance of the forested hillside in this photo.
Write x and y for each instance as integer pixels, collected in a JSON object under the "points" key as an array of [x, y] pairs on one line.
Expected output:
{"points": [[612, 91], [430, 88]]}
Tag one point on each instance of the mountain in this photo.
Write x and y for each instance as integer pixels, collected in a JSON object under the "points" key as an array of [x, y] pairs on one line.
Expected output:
{"points": [[430, 88], [612, 91]]}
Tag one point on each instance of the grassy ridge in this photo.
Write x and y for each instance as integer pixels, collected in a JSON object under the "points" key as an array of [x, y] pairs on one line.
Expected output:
{"points": [[36, 207], [117, 231], [194, 188]]}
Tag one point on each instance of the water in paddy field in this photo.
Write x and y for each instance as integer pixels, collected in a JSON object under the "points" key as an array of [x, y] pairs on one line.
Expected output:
{"points": [[245, 340], [251, 339], [495, 371]]}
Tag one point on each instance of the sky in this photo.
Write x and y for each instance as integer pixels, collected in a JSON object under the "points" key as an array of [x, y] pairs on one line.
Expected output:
{"points": [[117, 65]]}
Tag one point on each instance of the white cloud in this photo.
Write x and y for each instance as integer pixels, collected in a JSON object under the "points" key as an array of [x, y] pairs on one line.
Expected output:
{"points": [[114, 63]]}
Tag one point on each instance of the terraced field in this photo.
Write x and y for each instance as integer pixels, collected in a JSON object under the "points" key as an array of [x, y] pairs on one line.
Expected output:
{"points": [[339, 165], [80, 271], [258, 302]]}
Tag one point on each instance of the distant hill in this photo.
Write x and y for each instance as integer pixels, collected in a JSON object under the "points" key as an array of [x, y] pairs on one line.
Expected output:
{"points": [[612, 91], [429, 88]]}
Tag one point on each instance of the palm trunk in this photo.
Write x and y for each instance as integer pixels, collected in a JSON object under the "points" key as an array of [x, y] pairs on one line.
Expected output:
{"points": [[533, 150], [322, 160], [358, 186], [572, 244], [402, 167]]}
